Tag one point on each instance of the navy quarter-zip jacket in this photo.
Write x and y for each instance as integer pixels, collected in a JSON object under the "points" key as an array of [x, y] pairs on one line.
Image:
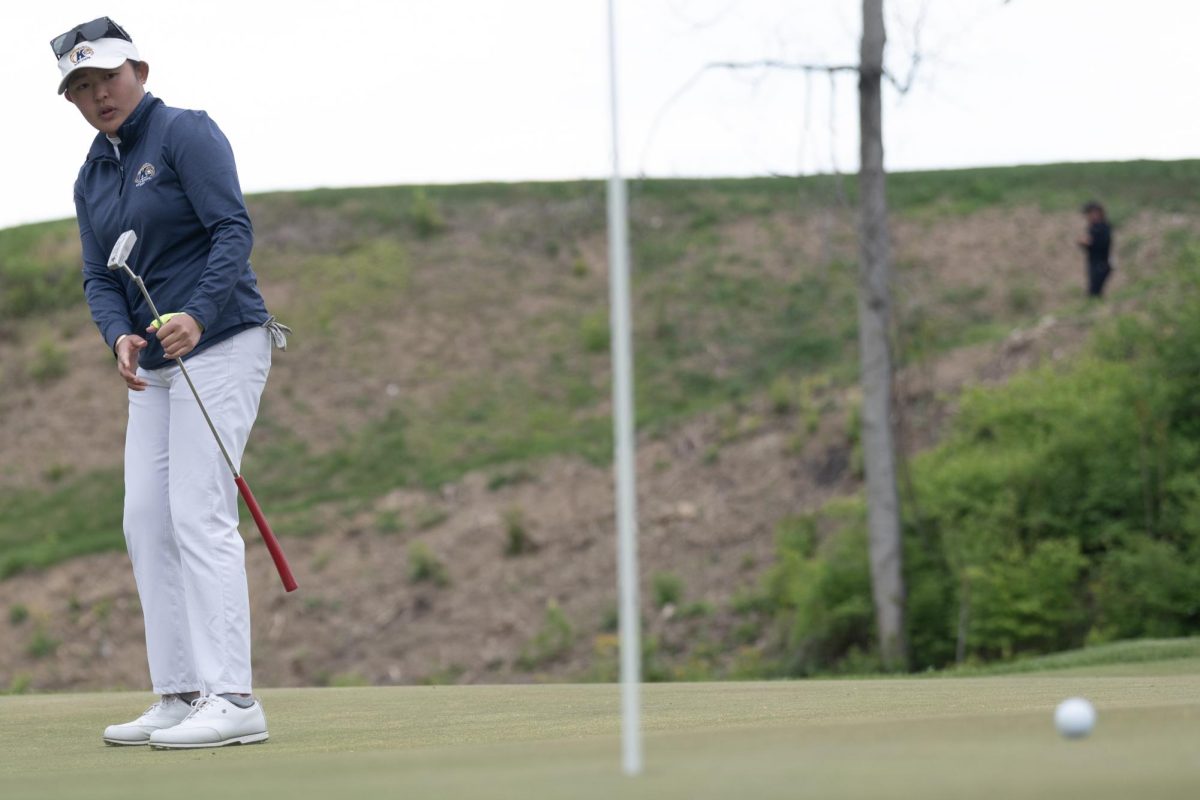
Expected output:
{"points": [[176, 186]]}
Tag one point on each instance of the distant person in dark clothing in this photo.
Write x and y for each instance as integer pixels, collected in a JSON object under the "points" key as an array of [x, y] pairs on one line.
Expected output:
{"points": [[1097, 243]]}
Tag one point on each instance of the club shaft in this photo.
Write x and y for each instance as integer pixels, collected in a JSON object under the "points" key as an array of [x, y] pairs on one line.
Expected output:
{"points": [[264, 528], [183, 370]]}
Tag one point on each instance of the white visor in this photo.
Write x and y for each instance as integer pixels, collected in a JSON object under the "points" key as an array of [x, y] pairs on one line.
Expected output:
{"points": [[100, 54]]}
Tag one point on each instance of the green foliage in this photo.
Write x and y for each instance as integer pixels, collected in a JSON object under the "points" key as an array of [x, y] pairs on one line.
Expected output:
{"points": [[346, 679], [446, 676], [1060, 509], [819, 590], [365, 278], [605, 664], [782, 393], [425, 216], [610, 619], [389, 522], [1147, 590], [41, 644], [49, 362], [509, 477], [593, 331], [17, 614], [668, 589], [517, 541], [552, 642], [1023, 298], [430, 517], [20, 683], [697, 610], [424, 567], [74, 517], [39, 269]]}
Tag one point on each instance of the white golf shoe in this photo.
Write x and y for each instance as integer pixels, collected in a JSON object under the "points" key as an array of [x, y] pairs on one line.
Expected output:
{"points": [[214, 722], [163, 714]]}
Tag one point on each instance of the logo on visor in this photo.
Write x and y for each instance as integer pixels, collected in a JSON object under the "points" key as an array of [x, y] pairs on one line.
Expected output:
{"points": [[82, 54], [144, 173]]}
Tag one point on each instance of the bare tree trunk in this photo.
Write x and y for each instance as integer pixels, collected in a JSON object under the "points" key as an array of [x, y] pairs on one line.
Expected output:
{"points": [[874, 323]]}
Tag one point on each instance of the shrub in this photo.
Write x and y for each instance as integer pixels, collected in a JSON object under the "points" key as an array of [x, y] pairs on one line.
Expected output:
{"points": [[49, 362], [1148, 589], [42, 644], [389, 522], [782, 393], [423, 566], [430, 517], [345, 680], [20, 683], [17, 614], [697, 610], [610, 619], [552, 641], [1023, 298], [425, 216], [1059, 509], [820, 592], [668, 589], [517, 541], [593, 331]]}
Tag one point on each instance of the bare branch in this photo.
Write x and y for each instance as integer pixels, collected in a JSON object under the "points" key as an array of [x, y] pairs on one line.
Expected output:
{"points": [[902, 87], [770, 63]]}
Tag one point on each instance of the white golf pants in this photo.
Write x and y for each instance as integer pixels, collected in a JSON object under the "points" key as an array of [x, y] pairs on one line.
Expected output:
{"points": [[181, 515]]}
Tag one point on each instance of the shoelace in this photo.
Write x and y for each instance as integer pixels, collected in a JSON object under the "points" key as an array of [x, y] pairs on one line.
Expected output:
{"points": [[199, 704]]}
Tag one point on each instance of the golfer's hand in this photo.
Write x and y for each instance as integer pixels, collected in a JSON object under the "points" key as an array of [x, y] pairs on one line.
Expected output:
{"points": [[179, 336], [127, 361]]}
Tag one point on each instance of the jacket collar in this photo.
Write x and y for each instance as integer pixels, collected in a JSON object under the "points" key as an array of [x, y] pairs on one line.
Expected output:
{"points": [[130, 130]]}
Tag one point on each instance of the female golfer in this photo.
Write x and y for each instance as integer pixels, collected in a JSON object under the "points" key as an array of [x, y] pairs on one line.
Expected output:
{"points": [[169, 175]]}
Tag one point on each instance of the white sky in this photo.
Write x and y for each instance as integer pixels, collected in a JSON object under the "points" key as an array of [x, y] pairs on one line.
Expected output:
{"points": [[362, 92]]}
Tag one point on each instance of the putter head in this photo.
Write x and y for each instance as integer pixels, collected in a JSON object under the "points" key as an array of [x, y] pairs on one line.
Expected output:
{"points": [[121, 250]]}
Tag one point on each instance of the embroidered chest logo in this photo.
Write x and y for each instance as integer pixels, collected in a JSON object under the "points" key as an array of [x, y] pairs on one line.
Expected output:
{"points": [[82, 54], [144, 173]]}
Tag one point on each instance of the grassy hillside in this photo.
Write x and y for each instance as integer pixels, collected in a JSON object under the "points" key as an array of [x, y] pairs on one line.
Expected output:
{"points": [[456, 336], [497, 294]]}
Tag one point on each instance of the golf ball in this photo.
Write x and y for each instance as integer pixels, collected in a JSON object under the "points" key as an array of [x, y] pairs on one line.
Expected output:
{"points": [[1075, 717]]}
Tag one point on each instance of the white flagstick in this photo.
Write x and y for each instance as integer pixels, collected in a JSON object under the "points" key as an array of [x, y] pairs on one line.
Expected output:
{"points": [[623, 441]]}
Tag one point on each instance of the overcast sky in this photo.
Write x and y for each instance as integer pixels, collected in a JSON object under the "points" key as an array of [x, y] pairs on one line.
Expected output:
{"points": [[408, 91]]}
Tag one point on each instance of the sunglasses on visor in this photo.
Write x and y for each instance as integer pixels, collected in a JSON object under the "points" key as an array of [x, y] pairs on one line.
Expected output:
{"points": [[102, 28]]}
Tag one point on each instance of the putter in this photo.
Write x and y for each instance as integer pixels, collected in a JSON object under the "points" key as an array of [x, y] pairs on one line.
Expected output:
{"points": [[117, 260]]}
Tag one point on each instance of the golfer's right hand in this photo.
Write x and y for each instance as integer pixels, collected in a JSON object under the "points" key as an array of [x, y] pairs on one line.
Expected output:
{"points": [[127, 361]]}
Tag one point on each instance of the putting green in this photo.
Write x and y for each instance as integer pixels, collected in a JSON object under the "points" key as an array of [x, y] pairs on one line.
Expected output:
{"points": [[888, 738]]}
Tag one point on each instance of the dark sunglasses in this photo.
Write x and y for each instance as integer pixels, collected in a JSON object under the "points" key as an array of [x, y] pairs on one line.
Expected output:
{"points": [[102, 28]]}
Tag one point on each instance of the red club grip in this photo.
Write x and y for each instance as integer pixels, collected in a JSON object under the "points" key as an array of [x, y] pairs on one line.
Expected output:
{"points": [[281, 564]]}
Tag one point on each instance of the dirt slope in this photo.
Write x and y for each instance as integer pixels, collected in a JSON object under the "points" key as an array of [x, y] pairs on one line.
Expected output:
{"points": [[711, 491]]}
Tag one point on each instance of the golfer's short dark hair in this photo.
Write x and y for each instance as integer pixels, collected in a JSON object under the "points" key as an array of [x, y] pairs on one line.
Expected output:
{"points": [[1092, 205]]}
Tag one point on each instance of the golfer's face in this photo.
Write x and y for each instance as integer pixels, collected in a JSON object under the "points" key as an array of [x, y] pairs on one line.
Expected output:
{"points": [[106, 97]]}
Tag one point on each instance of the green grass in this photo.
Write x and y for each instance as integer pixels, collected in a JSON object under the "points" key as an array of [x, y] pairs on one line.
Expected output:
{"points": [[981, 737], [1168, 653], [39, 269], [78, 516]]}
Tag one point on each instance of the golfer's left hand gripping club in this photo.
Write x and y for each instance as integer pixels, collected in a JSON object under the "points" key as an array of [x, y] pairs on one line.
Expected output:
{"points": [[118, 259]]}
